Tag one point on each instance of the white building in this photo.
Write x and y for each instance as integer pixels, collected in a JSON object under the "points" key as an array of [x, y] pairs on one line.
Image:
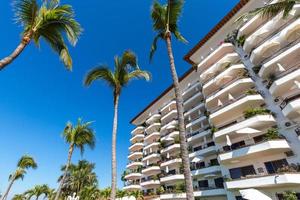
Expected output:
{"points": [[242, 115]]}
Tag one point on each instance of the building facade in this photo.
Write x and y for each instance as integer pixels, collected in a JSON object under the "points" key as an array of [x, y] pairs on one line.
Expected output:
{"points": [[242, 115]]}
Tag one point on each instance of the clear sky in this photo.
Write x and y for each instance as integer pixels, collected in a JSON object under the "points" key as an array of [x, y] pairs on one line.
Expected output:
{"points": [[38, 96]]}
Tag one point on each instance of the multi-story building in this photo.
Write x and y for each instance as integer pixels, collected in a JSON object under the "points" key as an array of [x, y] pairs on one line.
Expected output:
{"points": [[242, 115]]}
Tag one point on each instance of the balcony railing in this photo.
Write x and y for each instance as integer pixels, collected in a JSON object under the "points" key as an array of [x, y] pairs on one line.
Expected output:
{"points": [[202, 147], [288, 71], [195, 167], [189, 135], [288, 99]]}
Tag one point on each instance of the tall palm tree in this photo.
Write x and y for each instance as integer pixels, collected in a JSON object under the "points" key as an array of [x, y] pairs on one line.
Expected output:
{"points": [[126, 69], [90, 193], [106, 193], [270, 10], [38, 191], [77, 136], [165, 22], [50, 21], [26, 162]]}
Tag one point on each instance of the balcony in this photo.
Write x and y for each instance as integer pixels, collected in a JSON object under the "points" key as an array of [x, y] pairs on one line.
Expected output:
{"points": [[170, 136], [151, 170], [150, 183], [196, 121], [223, 78], [171, 177], [133, 176], [265, 148], [266, 31], [153, 118], [134, 164], [289, 36], [136, 146], [192, 101], [152, 156], [171, 125], [169, 116], [137, 138], [172, 161], [226, 92], [168, 107], [258, 122], [152, 137], [210, 192], [266, 181], [291, 106], [285, 82], [153, 146], [236, 108], [205, 131], [218, 67], [206, 170], [138, 130], [153, 128], [132, 187], [251, 25], [194, 109], [190, 90], [204, 151], [170, 148], [213, 57], [135, 155]]}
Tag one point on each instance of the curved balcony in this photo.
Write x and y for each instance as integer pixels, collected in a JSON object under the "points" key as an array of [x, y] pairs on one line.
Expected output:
{"points": [[171, 161], [135, 155], [265, 148], [206, 170], [151, 170], [192, 101], [170, 136], [170, 148], [169, 116], [194, 109], [204, 151], [171, 178], [171, 125], [152, 156], [132, 187], [191, 89], [291, 106], [213, 57], [258, 122], [169, 106], [153, 128], [133, 176], [196, 135], [150, 183], [134, 165], [136, 146], [138, 130], [236, 108], [153, 146], [153, 118], [281, 40], [137, 138], [152, 137], [196, 121]]}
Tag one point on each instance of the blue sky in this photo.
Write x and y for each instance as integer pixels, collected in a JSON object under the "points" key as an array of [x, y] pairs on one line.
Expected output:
{"points": [[38, 96]]}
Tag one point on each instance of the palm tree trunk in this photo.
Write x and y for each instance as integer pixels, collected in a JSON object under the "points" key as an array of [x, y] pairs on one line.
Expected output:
{"points": [[113, 150], [183, 141], [8, 189], [7, 60], [71, 149]]}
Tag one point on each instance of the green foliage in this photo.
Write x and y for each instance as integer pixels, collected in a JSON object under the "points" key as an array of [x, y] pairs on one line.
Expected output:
{"points": [[126, 69], [137, 194], [272, 134], [79, 135], [289, 195], [241, 40], [165, 20], [214, 129], [251, 112], [38, 191], [179, 188], [251, 92], [50, 21]]}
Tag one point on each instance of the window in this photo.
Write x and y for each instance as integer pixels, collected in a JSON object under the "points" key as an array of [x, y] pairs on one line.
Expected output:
{"points": [[273, 166], [197, 148], [210, 144], [259, 138], [200, 165], [238, 145], [219, 182], [239, 198], [214, 162], [240, 172], [203, 184]]}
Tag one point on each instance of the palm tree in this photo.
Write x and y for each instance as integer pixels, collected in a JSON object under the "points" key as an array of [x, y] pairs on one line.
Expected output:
{"points": [[126, 69], [38, 191], [19, 197], [26, 162], [271, 10], [165, 22], [50, 21], [121, 194], [106, 193], [90, 193], [77, 137]]}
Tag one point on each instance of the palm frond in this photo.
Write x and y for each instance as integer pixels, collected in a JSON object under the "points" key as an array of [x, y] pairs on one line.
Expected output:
{"points": [[25, 12], [26, 162], [129, 59], [154, 45], [158, 15], [138, 74], [175, 11], [101, 73], [180, 37]]}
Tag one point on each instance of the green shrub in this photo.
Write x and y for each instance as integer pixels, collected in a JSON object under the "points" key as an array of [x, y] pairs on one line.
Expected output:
{"points": [[251, 112], [289, 195]]}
